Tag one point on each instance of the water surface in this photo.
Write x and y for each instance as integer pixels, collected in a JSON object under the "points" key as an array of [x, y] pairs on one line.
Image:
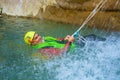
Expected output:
{"points": [[96, 61]]}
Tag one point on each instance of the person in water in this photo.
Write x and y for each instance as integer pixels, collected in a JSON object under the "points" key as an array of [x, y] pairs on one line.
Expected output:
{"points": [[53, 46], [49, 45]]}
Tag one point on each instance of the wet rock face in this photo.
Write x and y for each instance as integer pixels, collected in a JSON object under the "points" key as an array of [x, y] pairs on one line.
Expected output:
{"points": [[76, 1], [73, 1], [67, 11], [102, 20], [72, 11], [87, 5], [24, 7]]}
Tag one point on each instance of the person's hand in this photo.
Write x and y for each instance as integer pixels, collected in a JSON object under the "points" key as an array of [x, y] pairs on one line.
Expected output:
{"points": [[69, 38]]}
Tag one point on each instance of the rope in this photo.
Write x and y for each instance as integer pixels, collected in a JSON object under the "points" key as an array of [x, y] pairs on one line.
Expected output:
{"points": [[97, 8]]}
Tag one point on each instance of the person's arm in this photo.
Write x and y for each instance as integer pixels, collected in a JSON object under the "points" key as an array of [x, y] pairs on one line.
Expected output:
{"points": [[60, 39], [69, 40], [65, 49], [68, 37], [50, 51], [56, 51]]}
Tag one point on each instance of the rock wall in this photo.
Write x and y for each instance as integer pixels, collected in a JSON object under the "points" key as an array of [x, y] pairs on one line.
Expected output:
{"points": [[24, 7], [88, 5], [67, 11]]}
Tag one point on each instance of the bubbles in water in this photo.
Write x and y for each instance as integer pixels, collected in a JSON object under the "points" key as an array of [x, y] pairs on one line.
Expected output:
{"points": [[97, 61]]}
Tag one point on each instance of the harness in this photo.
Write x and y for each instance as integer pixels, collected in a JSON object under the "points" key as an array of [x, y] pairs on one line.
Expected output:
{"points": [[50, 42]]}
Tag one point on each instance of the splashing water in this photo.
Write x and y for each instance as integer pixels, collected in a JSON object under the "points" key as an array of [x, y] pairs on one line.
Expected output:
{"points": [[96, 61]]}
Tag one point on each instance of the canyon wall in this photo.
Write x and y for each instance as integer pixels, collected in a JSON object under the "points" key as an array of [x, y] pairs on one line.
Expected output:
{"points": [[66, 11]]}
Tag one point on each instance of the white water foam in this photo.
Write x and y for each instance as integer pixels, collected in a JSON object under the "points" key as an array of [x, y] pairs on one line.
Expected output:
{"points": [[98, 61]]}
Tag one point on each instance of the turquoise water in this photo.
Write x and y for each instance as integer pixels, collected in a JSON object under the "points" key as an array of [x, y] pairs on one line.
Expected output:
{"points": [[96, 61]]}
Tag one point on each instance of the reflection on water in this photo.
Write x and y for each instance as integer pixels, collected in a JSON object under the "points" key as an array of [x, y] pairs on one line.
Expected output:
{"points": [[96, 61]]}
